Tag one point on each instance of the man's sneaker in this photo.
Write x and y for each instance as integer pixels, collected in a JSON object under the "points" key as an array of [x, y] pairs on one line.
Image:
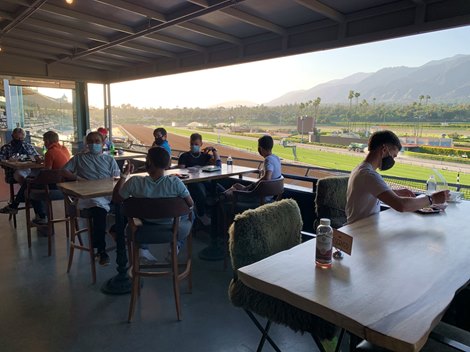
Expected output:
{"points": [[146, 258], [104, 259], [40, 221], [9, 210]]}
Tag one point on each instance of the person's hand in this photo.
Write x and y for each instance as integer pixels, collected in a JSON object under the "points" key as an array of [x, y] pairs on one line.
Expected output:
{"points": [[209, 149], [440, 197], [39, 159], [404, 192], [128, 168]]}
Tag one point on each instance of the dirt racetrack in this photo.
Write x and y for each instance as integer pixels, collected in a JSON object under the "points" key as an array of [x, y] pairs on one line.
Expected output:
{"points": [[145, 135]]}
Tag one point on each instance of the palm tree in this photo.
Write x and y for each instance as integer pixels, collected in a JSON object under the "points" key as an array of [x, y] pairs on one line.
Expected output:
{"points": [[316, 104], [350, 97], [421, 98], [357, 95]]}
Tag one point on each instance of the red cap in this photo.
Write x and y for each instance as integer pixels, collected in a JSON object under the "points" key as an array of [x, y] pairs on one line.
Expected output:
{"points": [[103, 131]]}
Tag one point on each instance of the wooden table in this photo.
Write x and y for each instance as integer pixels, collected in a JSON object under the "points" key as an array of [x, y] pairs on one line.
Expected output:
{"points": [[404, 271], [21, 165], [84, 189]]}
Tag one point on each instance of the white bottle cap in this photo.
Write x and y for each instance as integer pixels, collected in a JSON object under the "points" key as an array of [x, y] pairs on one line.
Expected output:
{"points": [[325, 221]]}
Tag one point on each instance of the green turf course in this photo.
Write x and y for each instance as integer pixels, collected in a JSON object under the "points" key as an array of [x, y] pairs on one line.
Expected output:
{"points": [[324, 159]]}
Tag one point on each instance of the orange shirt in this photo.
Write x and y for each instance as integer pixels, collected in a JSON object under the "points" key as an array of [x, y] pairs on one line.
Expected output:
{"points": [[56, 156]]}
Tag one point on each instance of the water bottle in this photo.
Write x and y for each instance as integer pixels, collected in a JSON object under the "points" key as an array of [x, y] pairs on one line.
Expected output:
{"points": [[112, 150], [324, 246], [229, 163], [431, 185]]}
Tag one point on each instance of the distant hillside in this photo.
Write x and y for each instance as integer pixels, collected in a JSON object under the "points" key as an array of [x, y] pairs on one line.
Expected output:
{"points": [[446, 80]]}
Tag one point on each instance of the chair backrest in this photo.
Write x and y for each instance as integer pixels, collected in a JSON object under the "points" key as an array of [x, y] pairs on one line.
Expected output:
{"points": [[48, 177], [330, 200], [155, 208], [258, 233], [270, 188]]}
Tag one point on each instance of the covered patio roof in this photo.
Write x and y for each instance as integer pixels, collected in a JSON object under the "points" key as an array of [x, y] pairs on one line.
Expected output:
{"points": [[108, 41]]}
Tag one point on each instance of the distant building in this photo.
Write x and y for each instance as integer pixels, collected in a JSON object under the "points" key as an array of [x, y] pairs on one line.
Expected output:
{"points": [[410, 143]]}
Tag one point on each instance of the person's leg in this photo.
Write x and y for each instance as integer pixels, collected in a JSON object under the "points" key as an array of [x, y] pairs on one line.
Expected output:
{"points": [[98, 216], [39, 207], [198, 193]]}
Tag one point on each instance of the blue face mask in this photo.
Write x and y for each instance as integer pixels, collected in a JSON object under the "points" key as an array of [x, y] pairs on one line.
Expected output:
{"points": [[95, 148], [195, 148]]}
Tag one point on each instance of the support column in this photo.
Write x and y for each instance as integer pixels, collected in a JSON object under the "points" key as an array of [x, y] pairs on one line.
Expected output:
{"points": [[81, 116], [108, 120]]}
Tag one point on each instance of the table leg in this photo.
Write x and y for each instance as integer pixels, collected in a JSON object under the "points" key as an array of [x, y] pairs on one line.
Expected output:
{"points": [[214, 251], [120, 283]]}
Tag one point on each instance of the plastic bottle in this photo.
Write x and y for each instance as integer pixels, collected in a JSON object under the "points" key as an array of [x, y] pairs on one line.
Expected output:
{"points": [[431, 185], [324, 245], [112, 150], [229, 163]]}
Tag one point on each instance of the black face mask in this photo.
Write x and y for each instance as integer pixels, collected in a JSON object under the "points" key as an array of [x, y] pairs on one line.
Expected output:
{"points": [[159, 141], [387, 163], [16, 142]]}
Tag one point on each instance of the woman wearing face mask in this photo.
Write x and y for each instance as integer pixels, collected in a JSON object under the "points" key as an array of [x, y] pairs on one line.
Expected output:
{"points": [[197, 156], [92, 164], [366, 188], [161, 136]]}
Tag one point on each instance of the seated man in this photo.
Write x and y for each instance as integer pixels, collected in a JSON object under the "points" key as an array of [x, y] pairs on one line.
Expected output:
{"points": [[270, 170], [366, 188], [92, 164], [108, 144], [198, 157], [55, 158], [161, 136], [155, 185], [12, 150]]}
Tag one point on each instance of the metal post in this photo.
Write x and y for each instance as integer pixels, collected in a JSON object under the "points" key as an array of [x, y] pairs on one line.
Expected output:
{"points": [[81, 116], [107, 110]]}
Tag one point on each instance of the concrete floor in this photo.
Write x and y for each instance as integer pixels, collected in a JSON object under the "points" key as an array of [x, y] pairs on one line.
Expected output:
{"points": [[45, 309]]}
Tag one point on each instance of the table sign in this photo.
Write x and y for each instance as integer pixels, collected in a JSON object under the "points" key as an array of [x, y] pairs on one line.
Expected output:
{"points": [[342, 241]]}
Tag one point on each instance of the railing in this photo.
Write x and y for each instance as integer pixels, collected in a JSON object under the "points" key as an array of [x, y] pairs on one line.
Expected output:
{"points": [[308, 175]]}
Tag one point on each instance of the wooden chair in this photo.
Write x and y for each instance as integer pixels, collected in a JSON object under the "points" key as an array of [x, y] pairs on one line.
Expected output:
{"points": [[254, 235], [330, 200], [39, 189], [153, 209], [74, 213]]}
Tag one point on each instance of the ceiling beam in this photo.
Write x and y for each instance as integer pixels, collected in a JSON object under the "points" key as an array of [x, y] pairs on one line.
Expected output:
{"points": [[176, 42], [122, 54], [6, 15], [67, 29], [155, 28], [149, 49], [323, 9], [254, 20], [28, 53], [22, 15], [211, 33], [54, 40], [87, 18], [137, 9], [89, 65], [26, 44]]}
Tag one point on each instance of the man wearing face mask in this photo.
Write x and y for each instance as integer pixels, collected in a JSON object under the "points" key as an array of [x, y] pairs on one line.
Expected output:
{"points": [[366, 188], [92, 164], [198, 157], [17, 146], [161, 136]]}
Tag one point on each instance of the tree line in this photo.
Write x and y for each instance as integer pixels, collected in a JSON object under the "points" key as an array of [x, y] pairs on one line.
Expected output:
{"points": [[354, 111]]}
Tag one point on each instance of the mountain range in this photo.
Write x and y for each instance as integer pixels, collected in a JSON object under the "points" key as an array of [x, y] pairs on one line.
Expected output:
{"points": [[445, 81]]}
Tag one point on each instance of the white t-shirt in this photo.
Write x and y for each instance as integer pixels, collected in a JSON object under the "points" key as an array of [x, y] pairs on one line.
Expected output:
{"points": [[364, 186]]}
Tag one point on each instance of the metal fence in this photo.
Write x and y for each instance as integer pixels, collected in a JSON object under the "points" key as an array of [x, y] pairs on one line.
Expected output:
{"points": [[307, 175]]}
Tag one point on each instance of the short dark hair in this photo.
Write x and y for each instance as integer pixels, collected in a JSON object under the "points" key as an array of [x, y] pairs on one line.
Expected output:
{"points": [[195, 137], [266, 142], [380, 138], [92, 134], [161, 130], [18, 130], [159, 157], [51, 137]]}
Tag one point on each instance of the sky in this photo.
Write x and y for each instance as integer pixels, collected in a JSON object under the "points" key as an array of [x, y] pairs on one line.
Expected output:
{"points": [[263, 81]]}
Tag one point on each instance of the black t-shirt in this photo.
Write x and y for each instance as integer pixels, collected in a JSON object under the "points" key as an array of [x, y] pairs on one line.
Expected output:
{"points": [[189, 160]]}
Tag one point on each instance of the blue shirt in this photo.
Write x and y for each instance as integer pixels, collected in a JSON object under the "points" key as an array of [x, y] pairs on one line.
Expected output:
{"points": [[165, 145], [146, 187], [91, 166]]}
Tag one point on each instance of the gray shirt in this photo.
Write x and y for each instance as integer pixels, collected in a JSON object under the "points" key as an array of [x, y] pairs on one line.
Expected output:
{"points": [[91, 166]]}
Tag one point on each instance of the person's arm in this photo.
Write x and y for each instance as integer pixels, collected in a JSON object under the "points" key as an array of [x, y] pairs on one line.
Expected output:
{"points": [[48, 160], [215, 155], [69, 170], [403, 204], [181, 161], [268, 170], [404, 192], [68, 175], [122, 189]]}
